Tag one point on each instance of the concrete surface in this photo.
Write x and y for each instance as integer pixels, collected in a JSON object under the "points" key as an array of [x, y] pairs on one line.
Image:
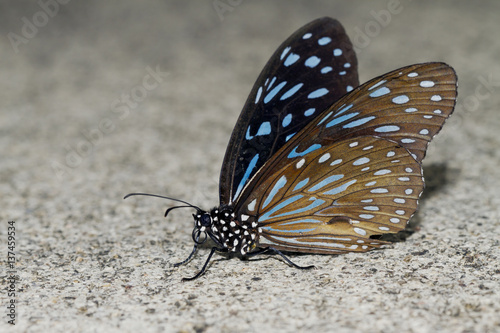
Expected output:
{"points": [[88, 261]]}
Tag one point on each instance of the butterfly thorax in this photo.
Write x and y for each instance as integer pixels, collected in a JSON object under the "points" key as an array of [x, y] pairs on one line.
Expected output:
{"points": [[223, 228]]}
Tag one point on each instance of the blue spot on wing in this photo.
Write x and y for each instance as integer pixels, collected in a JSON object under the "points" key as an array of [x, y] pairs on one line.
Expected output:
{"points": [[340, 119], [326, 69], [250, 167], [315, 203], [344, 109], [271, 229], [359, 122], [324, 40], [278, 186], [259, 92], [248, 136], [301, 184], [288, 137], [380, 92], [312, 61], [273, 92], [318, 93], [264, 129], [309, 112], [291, 59], [271, 83], [340, 189], [287, 120], [292, 91], [325, 182], [388, 128], [305, 152], [285, 51], [279, 206]]}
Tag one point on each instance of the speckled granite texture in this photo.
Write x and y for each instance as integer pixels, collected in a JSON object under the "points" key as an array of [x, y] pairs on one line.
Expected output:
{"points": [[99, 99]]}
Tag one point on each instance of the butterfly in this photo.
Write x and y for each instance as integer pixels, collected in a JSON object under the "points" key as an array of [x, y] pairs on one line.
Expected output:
{"points": [[318, 163]]}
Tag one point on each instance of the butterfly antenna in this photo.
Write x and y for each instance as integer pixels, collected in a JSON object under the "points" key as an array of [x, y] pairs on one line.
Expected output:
{"points": [[163, 197], [175, 207]]}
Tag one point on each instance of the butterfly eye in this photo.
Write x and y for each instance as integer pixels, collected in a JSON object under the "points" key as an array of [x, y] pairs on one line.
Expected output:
{"points": [[206, 220]]}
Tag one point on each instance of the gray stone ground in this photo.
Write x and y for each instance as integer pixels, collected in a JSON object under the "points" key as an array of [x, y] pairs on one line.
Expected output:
{"points": [[89, 261]]}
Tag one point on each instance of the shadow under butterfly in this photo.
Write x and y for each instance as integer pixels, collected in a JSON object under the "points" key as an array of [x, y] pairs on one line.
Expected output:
{"points": [[317, 163]]}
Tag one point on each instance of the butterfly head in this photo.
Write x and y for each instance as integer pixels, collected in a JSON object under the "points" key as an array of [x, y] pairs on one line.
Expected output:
{"points": [[203, 225]]}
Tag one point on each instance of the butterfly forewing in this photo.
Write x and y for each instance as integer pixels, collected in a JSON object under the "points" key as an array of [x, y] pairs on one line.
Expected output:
{"points": [[310, 71], [354, 171], [408, 105]]}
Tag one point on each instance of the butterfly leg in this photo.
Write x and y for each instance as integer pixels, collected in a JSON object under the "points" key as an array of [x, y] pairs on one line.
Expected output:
{"points": [[204, 268], [272, 250], [188, 258]]}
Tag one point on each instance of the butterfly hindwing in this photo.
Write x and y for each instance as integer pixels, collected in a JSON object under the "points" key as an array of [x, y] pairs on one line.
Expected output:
{"points": [[333, 199], [310, 71]]}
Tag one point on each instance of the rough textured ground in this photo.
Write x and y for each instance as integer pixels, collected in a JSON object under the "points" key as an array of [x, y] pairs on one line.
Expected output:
{"points": [[89, 261]]}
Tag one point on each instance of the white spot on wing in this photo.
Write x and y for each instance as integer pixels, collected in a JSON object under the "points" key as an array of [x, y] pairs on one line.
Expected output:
{"points": [[324, 158], [382, 172], [251, 205], [377, 84], [406, 140], [360, 231], [300, 163], [361, 161], [387, 128], [424, 131], [427, 84], [402, 99], [380, 92], [338, 161], [379, 190]]}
